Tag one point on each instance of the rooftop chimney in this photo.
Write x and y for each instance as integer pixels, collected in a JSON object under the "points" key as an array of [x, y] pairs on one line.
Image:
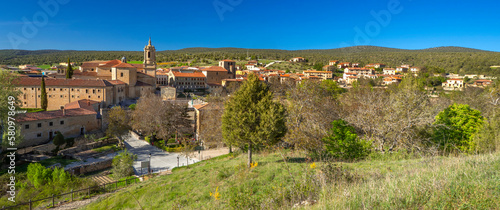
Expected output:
{"points": [[63, 111]]}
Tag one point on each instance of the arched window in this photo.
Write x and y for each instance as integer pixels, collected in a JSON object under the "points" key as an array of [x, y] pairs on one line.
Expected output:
{"points": [[149, 54]]}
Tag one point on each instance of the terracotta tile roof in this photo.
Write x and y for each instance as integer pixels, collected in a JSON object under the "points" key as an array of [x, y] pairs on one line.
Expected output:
{"points": [[34, 116], [137, 65], [84, 104], [483, 80], [195, 74], [116, 82], [85, 73], [199, 106], [37, 81], [214, 68], [110, 63], [91, 64], [123, 65], [327, 72]]}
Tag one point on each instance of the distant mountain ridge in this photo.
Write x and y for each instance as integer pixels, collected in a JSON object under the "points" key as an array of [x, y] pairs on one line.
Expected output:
{"points": [[353, 49]]}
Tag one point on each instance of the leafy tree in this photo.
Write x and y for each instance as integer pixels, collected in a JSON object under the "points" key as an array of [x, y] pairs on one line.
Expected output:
{"points": [[456, 127], [318, 66], [123, 165], [251, 118], [342, 142], [58, 140], [38, 175], [132, 106], [118, 123], [43, 95], [69, 70], [7, 89]]}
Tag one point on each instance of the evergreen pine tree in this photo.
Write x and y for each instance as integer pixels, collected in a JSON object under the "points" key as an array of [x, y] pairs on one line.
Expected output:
{"points": [[43, 95], [252, 118], [69, 70]]}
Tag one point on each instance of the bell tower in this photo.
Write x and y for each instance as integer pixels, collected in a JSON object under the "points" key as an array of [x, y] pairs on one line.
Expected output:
{"points": [[149, 57], [150, 62]]}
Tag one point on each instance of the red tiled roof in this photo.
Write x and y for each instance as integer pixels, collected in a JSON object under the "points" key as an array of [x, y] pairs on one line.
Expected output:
{"points": [[34, 116], [195, 74], [116, 82], [110, 63], [328, 72], [214, 68], [37, 81], [84, 104], [123, 65]]}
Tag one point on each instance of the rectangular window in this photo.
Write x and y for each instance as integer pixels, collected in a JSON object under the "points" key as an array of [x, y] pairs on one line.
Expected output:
{"points": [[27, 126], [62, 122], [39, 125], [93, 91], [39, 135], [61, 96], [51, 123]]}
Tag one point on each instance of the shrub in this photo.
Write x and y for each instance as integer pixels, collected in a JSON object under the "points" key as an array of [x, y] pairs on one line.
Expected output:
{"points": [[123, 165], [456, 127], [58, 140], [343, 143]]}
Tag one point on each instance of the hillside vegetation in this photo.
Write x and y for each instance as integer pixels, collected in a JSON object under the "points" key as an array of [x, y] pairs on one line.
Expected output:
{"points": [[381, 182], [450, 59]]}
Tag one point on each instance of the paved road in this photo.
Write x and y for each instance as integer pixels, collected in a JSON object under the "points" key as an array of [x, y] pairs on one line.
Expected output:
{"points": [[160, 160]]}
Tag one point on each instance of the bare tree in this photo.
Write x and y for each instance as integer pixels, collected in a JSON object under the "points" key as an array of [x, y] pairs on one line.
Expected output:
{"points": [[118, 123], [210, 117], [157, 118], [311, 108]]}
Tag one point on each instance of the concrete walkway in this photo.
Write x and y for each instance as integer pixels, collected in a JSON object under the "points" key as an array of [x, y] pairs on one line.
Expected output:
{"points": [[160, 160]]}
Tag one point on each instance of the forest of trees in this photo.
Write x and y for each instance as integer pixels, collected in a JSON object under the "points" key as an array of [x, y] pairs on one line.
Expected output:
{"points": [[449, 59]]}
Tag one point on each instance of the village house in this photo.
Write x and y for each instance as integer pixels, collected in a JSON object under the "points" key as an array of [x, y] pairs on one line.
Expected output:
{"points": [[329, 68], [401, 69], [298, 59], [454, 84], [182, 81], [343, 65], [333, 63], [482, 83], [415, 70], [390, 71], [391, 80], [321, 74], [75, 119]]}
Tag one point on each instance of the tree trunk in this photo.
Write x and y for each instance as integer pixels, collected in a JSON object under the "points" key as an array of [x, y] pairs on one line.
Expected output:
{"points": [[249, 155]]}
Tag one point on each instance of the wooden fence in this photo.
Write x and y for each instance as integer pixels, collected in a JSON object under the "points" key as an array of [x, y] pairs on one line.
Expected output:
{"points": [[88, 192]]}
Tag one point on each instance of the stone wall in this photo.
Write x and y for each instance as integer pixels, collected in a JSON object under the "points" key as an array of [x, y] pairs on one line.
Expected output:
{"points": [[84, 147], [96, 166]]}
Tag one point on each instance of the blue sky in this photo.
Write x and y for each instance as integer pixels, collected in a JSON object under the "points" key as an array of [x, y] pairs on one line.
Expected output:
{"points": [[263, 24]]}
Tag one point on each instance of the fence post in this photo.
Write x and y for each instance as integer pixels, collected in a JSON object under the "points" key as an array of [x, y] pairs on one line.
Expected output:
{"points": [[30, 204], [71, 195], [88, 191], [104, 186], [53, 200]]}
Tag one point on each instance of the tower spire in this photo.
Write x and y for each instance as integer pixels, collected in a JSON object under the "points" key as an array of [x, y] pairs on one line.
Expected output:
{"points": [[150, 40]]}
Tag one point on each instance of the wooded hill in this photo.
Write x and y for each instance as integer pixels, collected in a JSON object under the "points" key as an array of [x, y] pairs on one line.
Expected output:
{"points": [[446, 59]]}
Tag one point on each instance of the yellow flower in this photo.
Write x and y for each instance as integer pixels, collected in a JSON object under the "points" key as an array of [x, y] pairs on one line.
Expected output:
{"points": [[253, 165], [216, 195], [313, 165]]}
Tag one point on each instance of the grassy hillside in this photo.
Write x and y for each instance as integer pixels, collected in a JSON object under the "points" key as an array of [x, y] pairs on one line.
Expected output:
{"points": [[225, 182]]}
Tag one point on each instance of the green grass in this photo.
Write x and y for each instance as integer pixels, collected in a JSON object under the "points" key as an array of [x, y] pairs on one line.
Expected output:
{"points": [[106, 148], [29, 110], [47, 162], [135, 62], [433, 182], [44, 66]]}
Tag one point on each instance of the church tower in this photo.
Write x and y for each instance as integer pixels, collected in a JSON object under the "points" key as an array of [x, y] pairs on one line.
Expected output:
{"points": [[150, 59]]}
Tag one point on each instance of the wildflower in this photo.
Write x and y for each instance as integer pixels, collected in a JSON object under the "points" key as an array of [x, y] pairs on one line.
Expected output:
{"points": [[216, 195], [253, 165], [313, 165]]}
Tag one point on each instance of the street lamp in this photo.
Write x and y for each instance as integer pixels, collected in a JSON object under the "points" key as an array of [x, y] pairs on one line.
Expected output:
{"points": [[149, 165]]}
